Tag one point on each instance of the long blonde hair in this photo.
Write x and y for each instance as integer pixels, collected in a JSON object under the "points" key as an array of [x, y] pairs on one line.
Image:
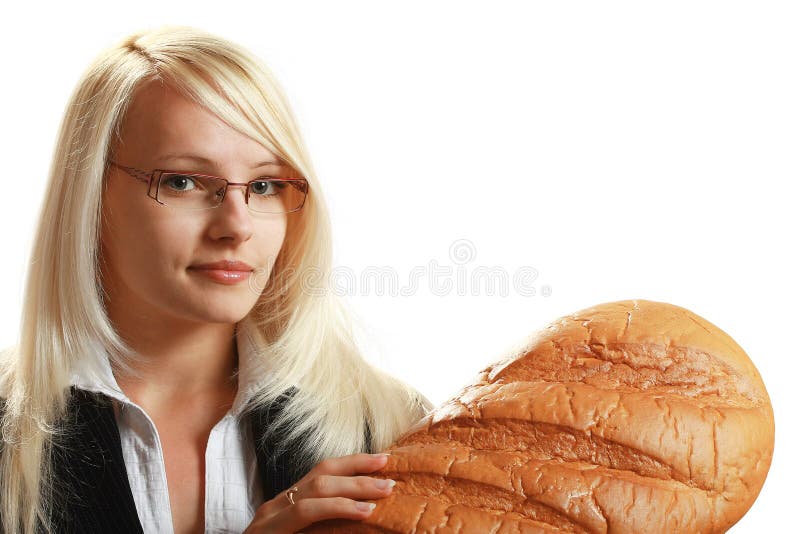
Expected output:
{"points": [[306, 332]]}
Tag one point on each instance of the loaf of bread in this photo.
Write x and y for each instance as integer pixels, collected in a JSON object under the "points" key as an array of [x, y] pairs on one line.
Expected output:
{"points": [[631, 416]]}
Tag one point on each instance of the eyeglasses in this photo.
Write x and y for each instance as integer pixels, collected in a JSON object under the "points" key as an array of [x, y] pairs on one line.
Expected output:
{"points": [[192, 191]]}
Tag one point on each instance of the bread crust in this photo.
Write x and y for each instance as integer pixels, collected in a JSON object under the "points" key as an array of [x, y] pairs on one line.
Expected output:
{"points": [[630, 416]]}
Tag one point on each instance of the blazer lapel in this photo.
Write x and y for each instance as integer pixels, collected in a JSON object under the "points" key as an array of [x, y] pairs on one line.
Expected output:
{"points": [[278, 466], [93, 492]]}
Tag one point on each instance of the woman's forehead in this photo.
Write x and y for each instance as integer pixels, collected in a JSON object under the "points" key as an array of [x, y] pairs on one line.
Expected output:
{"points": [[161, 113], [165, 124]]}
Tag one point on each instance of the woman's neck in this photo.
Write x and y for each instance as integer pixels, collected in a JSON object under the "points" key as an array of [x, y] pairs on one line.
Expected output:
{"points": [[178, 360]]}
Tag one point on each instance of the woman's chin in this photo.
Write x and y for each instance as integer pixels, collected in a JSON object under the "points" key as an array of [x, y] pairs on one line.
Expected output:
{"points": [[218, 311]]}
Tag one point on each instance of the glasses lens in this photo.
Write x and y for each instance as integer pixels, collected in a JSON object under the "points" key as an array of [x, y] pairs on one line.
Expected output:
{"points": [[190, 191], [277, 196]]}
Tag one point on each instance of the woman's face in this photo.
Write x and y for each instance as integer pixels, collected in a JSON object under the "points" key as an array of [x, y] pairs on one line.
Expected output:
{"points": [[149, 252]]}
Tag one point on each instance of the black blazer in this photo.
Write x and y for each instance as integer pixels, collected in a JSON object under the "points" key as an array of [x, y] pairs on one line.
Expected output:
{"points": [[90, 472]]}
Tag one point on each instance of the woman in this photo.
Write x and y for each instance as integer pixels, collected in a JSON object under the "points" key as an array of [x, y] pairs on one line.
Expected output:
{"points": [[176, 328]]}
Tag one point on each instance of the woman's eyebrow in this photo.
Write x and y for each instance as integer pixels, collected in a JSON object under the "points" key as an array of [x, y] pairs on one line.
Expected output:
{"points": [[209, 162]]}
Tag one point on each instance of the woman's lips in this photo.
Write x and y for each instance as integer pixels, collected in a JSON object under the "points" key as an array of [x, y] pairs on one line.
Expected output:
{"points": [[225, 271], [223, 276], [225, 265]]}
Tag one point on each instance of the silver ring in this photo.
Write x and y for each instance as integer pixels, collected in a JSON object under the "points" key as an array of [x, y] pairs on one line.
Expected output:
{"points": [[290, 494]]}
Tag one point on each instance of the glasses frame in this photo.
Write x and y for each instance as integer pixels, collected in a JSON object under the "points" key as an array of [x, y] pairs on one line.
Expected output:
{"points": [[154, 177]]}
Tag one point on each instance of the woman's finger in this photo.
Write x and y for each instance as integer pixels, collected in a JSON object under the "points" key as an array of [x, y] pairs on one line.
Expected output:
{"points": [[354, 487], [308, 511], [349, 465]]}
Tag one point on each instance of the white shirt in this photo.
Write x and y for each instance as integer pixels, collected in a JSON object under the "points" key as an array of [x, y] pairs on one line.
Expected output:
{"points": [[232, 491]]}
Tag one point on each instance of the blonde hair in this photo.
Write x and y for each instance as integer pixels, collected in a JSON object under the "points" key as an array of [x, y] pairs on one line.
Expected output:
{"points": [[307, 334]]}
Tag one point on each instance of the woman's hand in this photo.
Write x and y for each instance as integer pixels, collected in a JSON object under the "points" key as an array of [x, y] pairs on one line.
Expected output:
{"points": [[331, 490]]}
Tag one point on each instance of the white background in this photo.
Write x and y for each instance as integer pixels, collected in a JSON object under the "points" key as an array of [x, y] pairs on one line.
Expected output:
{"points": [[621, 149]]}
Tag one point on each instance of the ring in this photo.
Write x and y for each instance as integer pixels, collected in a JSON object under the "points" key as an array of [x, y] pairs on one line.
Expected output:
{"points": [[290, 494]]}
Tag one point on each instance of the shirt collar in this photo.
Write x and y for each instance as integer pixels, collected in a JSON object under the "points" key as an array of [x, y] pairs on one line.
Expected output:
{"points": [[95, 373]]}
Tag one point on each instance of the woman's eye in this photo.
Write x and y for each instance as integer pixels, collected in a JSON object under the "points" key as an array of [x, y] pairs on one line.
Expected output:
{"points": [[264, 188], [180, 182]]}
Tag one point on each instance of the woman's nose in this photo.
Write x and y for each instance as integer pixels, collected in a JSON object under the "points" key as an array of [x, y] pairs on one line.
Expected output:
{"points": [[232, 218]]}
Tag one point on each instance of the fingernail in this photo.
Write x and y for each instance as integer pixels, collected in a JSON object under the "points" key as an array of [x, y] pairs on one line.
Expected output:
{"points": [[385, 483], [365, 506], [381, 455]]}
